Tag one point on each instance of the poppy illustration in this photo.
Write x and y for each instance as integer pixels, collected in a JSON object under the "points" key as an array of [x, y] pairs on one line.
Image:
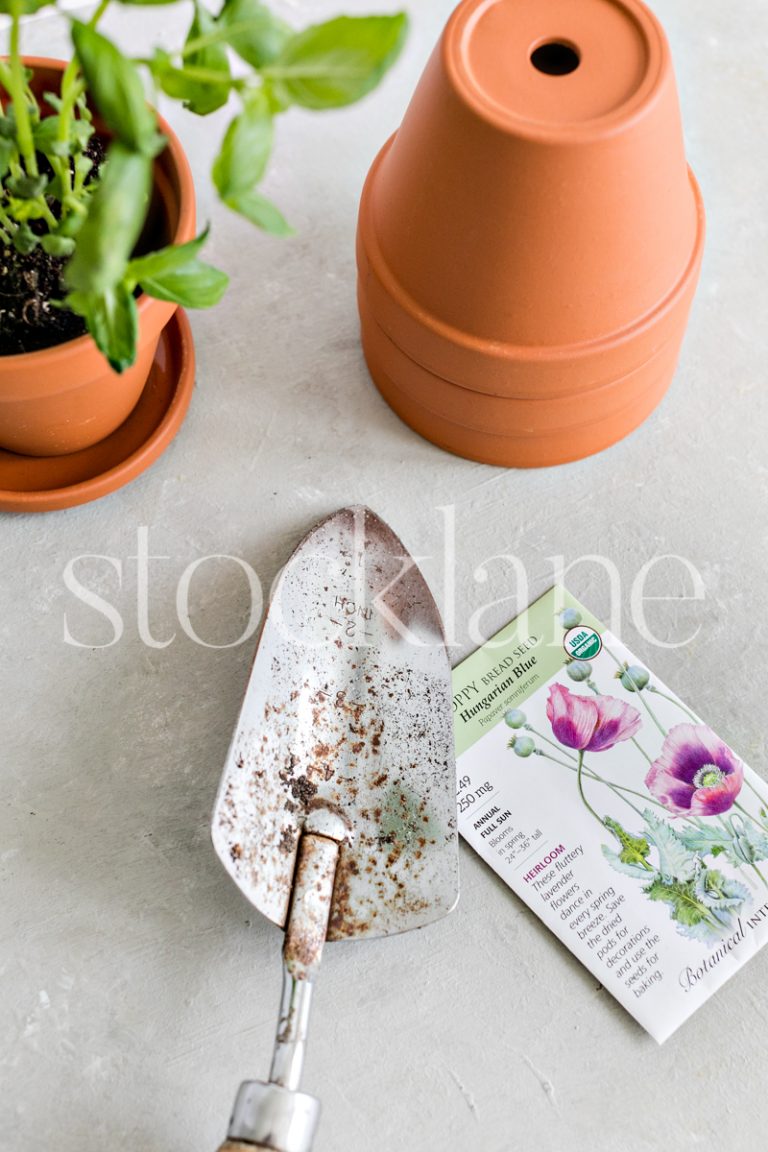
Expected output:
{"points": [[696, 774]]}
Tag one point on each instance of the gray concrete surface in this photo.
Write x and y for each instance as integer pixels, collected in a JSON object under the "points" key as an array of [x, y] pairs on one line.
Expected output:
{"points": [[137, 986]]}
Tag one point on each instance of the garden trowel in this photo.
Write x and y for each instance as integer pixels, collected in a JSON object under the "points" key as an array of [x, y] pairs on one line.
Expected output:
{"points": [[336, 814]]}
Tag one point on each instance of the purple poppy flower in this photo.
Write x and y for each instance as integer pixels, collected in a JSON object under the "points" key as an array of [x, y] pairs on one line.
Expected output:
{"points": [[696, 773], [590, 723]]}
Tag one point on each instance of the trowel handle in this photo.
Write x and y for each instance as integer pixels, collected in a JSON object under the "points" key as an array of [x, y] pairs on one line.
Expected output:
{"points": [[271, 1118], [236, 1146]]}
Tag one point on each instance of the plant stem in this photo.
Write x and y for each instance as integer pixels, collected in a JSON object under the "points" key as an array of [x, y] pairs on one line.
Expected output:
{"points": [[748, 814], [5, 76], [638, 693], [17, 94], [68, 97], [211, 76], [580, 784], [672, 700], [7, 224], [633, 739], [591, 772], [552, 743], [216, 36], [617, 789], [98, 13], [754, 790]]}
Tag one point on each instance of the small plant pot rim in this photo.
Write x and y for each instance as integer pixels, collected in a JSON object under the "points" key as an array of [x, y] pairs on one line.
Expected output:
{"points": [[65, 398]]}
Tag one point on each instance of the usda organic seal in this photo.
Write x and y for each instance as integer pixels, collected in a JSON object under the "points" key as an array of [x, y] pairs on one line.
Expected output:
{"points": [[582, 643]]}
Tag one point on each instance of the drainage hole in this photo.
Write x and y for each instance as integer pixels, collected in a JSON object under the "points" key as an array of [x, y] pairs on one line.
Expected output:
{"points": [[555, 58]]}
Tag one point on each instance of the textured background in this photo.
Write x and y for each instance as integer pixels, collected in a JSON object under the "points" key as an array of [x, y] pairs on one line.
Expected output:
{"points": [[137, 987]]}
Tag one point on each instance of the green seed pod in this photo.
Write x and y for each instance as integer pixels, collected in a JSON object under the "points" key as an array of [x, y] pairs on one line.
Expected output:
{"points": [[579, 671], [634, 678], [514, 718], [570, 618], [524, 746]]}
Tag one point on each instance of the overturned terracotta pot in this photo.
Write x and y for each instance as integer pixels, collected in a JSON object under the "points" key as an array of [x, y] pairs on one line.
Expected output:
{"points": [[532, 232], [66, 398]]}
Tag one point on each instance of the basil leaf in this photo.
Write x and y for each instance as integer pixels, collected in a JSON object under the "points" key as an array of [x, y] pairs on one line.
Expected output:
{"points": [[255, 33], [117, 91], [203, 98], [245, 150], [56, 245], [27, 187], [116, 213], [193, 285], [147, 3], [260, 211], [113, 321], [24, 239], [46, 137], [26, 7], [336, 63], [157, 264]]}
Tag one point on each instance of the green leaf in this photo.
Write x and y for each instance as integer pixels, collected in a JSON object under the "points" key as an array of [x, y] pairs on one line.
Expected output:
{"points": [[637, 871], [634, 849], [333, 64], [194, 285], [718, 891], [115, 85], [27, 187], [255, 33], [112, 320], [25, 7], [46, 137], [706, 840], [203, 98], [749, 843], [165, 260], [22, 210], [24, 239], [116, 214], [685, 907], [245, 150], [676, 861], [56, 245], [261, 212], [174, 273]]}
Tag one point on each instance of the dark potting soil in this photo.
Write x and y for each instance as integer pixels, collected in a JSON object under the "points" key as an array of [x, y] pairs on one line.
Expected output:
{"points": [[29, 320]]}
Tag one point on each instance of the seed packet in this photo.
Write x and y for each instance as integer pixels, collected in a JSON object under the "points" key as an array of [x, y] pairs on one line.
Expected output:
{"points": [[612, 809]]}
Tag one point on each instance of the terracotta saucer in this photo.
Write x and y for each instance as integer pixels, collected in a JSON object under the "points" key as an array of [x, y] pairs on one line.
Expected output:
{"points": [[47, 483]]}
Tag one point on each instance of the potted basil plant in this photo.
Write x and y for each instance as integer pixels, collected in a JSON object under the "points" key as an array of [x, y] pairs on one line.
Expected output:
{"points": [[97, 225]]}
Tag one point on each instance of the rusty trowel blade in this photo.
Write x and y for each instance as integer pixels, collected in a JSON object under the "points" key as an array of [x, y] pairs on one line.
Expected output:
{"points": [[348, 707]]}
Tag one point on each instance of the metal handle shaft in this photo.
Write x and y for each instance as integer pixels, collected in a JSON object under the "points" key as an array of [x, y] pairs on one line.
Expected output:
{"points": [[276, 1115]]}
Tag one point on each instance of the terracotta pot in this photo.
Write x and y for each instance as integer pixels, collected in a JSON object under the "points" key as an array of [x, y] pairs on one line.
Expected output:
{"points": [[553, 418], [532, 230], [66, 398], [509, 449]]}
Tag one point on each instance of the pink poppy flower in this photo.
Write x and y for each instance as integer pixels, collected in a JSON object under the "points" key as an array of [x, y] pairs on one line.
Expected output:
{"points": [[590, 723], [696, 773]]}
